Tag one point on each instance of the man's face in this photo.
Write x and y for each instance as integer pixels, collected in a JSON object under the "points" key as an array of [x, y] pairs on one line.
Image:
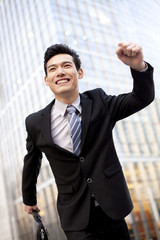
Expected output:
{"points": [[62, 76]]}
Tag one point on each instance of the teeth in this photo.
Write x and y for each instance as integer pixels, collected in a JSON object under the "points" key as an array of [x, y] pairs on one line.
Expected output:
{"points": [[62, 81]]}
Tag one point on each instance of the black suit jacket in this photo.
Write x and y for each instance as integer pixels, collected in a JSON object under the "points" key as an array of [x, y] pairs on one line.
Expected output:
{"points": [[97, 170]]}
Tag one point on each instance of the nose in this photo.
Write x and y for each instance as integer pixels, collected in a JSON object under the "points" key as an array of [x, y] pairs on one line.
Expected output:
{"points": [[60, 71]]}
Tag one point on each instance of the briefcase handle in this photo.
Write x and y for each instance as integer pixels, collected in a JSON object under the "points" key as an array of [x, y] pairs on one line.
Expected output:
{"points": [[42, 233]]}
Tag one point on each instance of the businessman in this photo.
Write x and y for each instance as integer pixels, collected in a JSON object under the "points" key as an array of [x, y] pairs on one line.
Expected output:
{"points": [[75, 133]]}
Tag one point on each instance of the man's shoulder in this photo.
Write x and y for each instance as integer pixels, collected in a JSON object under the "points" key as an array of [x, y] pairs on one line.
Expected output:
{"points": [[38, 114], [93, 93]]}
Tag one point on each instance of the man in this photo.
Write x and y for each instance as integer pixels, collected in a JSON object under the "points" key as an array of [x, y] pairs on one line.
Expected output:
{"points": [[93, 198]]}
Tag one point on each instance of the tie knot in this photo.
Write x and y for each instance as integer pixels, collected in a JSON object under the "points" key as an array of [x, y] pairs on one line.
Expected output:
{"points": [[71, 109]]}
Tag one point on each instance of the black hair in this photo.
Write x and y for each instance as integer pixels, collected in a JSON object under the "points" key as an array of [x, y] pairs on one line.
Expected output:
{"points": [[60, 49]]}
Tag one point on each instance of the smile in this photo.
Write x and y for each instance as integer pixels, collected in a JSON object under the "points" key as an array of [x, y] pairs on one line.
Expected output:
{"points": [[62, 81]]}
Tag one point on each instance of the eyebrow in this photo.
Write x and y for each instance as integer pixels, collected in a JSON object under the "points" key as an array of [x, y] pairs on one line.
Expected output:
{"points": [[61, 63]]}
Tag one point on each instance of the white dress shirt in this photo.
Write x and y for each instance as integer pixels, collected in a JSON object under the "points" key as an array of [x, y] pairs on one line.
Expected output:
{"points": [[60, 127]]}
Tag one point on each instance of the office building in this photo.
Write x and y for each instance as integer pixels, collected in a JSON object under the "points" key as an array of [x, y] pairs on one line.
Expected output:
{"points": [[93, 28]]}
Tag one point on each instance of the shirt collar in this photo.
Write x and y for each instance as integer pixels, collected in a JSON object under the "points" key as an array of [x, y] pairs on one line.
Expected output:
{"points": [[61, 107]]}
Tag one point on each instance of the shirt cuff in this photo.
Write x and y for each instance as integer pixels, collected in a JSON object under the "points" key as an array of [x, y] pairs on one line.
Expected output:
{"points": [[145, 69]]}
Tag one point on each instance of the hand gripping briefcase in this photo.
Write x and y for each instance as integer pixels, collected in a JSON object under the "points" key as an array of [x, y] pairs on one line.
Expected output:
{"points": [[39, 230]]}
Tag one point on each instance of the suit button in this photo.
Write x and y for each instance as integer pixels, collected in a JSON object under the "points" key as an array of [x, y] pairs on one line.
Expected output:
{"points": [[89, 180], [81, 159]]}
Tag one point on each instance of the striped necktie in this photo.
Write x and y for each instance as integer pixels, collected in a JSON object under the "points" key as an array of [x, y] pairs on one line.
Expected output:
{"points": [[75, 126]]}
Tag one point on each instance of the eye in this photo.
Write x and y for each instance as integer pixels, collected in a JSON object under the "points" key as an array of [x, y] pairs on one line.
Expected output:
{"points": [[67, 65], [52, 69]]}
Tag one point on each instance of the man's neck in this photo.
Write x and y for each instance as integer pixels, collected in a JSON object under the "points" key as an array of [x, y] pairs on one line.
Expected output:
{"points": [[67, 99]]}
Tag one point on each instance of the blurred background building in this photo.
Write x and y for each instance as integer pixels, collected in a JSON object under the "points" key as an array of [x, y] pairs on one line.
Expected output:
{"points": [[94, 28]]}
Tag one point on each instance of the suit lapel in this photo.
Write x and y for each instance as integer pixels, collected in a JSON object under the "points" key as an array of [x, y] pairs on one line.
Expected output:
{"points": [[46, 123], [86, 112]]}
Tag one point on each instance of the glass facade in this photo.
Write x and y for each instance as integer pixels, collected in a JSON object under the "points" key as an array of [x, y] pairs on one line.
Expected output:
{"points": [[93, 28]]}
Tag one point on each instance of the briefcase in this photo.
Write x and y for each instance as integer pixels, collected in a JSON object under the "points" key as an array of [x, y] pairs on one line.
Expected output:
{"points": [[39, 230]]}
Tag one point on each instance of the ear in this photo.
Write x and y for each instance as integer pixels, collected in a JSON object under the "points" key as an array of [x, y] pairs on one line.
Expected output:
{"points": [[80, 73], [46, 80]]}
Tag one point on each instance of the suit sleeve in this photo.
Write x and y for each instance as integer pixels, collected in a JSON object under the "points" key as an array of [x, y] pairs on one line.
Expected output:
{"points": [[31, 168], [124, 105]]}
